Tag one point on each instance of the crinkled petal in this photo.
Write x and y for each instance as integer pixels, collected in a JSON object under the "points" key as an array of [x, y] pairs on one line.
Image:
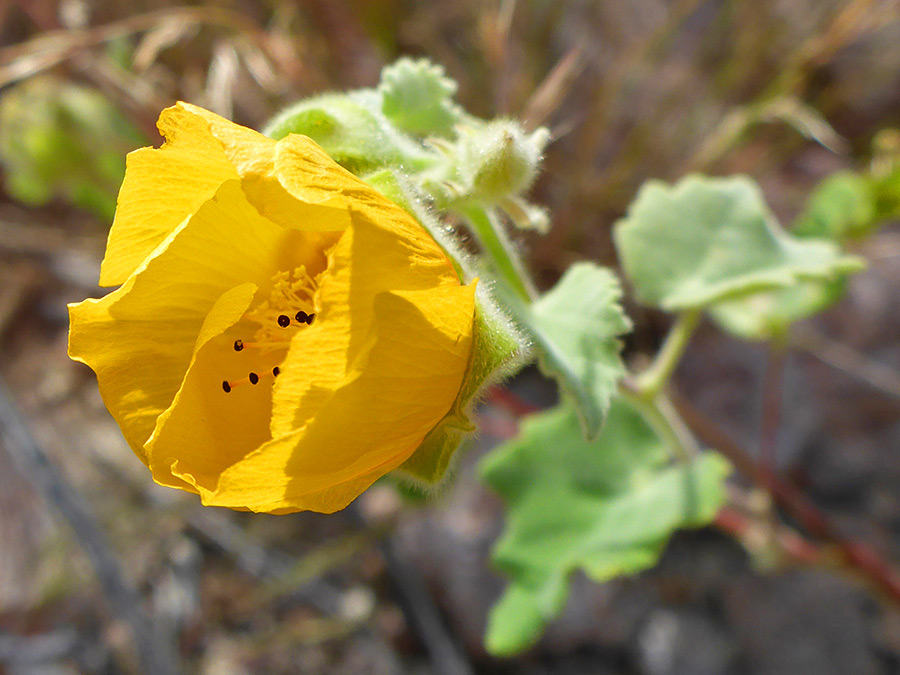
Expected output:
{"points": [[206, 429], [162, 187], [394, 394], [392, 253], [140, 338]]}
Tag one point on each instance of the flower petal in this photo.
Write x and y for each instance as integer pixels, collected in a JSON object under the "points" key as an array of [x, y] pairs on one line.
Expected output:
{"points": [[206, 429], [395, 393], [161, 188], [392, 253], [140, 338]]}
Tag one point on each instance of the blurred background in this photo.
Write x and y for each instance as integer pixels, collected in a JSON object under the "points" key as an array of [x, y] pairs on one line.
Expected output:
{"points": [[102, 571]]}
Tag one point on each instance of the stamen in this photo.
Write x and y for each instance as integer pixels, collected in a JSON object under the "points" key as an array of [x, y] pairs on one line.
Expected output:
{"points": [[290, 304], [262, 345], [253, 378]]}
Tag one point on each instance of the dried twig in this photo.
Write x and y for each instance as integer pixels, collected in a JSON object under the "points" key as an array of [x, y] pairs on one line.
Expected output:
{"points": [[155, 655]]}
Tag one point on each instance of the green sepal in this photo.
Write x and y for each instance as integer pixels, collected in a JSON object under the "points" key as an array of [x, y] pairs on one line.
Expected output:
{"points": [[352, 129], [417, 96], [497, 346], [496, 351], [497, 160], [606, 506], [705, 240]]}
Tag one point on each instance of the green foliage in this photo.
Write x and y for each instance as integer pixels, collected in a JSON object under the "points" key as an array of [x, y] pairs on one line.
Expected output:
{"points": [[66, 141], [705, 240], [605, 506], [841, 207], [411, 123], [769, 314], [576, 328]]}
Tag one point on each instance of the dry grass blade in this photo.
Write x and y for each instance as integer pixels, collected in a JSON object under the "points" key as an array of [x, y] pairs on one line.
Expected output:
{"points": [[48, 49], [155, 655], [551, 92]]}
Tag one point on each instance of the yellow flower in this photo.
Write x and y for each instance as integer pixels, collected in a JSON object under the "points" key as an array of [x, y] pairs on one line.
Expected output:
{"points": [[283, 334]]}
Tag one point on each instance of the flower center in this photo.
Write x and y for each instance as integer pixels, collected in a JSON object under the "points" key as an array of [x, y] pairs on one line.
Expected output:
{"points": [[290, 306]]}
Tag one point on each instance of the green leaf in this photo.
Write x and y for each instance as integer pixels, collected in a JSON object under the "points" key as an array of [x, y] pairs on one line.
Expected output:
{"points": [[842, 206], [705, 240], [575, 327], [769, 315], [887, 195], [417, 97], [606, 506]]}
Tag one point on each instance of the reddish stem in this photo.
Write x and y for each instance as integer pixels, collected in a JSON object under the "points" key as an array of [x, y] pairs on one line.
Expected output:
{"points": [[742, 526], [858, 555]]}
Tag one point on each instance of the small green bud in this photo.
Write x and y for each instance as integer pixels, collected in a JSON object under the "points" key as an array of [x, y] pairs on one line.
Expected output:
{"points": [[499, 160]]}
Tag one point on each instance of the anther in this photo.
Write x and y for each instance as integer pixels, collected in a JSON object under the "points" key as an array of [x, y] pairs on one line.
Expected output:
{"points": [[284, 320], [310, 319], [226, 386], [238, 345], [276, 371], [301, 316], [254, 378]]}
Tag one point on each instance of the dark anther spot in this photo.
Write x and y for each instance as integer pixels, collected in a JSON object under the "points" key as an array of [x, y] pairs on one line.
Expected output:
{"points": [[301, 316], [276, 370], [254, 378], [310, 319], [284, 320], [238, 345], [226, 386]]}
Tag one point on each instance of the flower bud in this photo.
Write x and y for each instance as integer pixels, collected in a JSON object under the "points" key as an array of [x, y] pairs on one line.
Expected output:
{"points": [[500, 160]]}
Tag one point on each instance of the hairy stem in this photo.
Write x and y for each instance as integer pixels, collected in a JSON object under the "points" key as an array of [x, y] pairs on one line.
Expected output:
{"points": [[501, 254]]}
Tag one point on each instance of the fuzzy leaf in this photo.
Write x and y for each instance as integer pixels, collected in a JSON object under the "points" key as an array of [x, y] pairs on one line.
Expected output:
{"points": [[576, 326], [606, 506], [704, 240], [768, 315], [417, 97]]}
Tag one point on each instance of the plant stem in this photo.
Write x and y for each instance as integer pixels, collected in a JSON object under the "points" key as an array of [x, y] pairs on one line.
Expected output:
{"points": [[857, 555], [503, 258], [652, 381]]}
